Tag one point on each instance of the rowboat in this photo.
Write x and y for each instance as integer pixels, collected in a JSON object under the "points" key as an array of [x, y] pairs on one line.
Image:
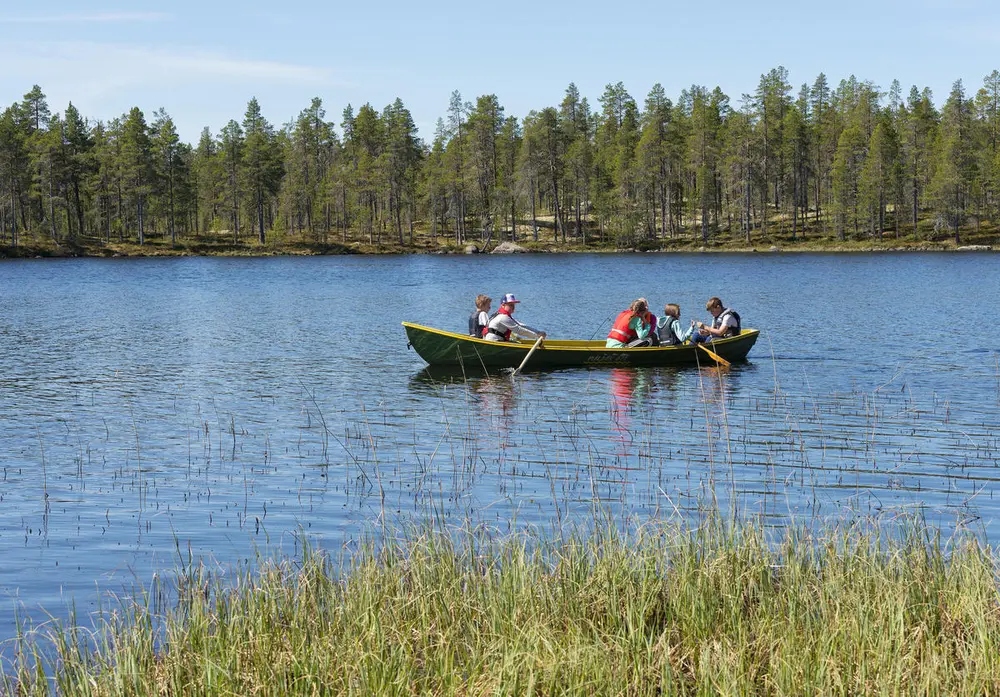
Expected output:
{"points": [[441, 348]]}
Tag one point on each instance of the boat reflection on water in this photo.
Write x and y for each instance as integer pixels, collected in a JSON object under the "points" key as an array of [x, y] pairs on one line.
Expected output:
{"points": [[493, 396], [496, 391], [640, 401], [717, 386], [432, 377]]}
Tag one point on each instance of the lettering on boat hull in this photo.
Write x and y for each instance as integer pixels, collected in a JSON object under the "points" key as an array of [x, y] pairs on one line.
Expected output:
{"points": [[604, 358]]}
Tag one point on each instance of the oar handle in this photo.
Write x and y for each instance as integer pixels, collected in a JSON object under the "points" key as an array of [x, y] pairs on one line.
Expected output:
{"points": [[538, 341]]}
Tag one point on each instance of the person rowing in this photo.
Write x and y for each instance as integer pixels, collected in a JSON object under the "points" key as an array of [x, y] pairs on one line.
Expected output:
{"points": [[503, 324]]}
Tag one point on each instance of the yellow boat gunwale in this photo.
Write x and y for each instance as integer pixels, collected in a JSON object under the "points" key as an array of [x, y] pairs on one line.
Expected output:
{"points": [[561, 344]]}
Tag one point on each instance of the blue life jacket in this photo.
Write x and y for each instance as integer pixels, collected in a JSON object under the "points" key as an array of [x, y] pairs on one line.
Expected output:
{"points": [[475, 328]]}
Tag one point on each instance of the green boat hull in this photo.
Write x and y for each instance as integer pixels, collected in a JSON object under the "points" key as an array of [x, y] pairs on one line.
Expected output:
{"points": [[441, 348]]}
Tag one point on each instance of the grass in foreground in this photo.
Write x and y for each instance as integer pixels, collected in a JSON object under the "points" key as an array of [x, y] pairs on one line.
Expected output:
{"points": [[661, 612]]}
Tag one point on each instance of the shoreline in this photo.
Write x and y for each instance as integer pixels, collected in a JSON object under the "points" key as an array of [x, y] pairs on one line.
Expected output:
{"points": [[208, 247]]}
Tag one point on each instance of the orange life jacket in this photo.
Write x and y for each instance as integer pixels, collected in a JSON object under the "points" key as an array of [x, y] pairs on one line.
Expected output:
{"points": [[620, 331]]}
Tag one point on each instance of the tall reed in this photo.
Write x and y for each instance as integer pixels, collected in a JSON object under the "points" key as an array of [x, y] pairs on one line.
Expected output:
{"points": [[712, 609]]}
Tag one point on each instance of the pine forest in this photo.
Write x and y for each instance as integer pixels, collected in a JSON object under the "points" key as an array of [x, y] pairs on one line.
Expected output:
{"points": [[822, 164]]}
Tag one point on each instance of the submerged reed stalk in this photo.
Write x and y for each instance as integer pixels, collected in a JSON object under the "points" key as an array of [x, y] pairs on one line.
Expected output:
{"points": [[713, 610]]}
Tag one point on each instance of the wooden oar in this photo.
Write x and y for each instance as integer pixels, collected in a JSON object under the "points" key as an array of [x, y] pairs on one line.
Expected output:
{"points": [[715, 357], [518, 368]]}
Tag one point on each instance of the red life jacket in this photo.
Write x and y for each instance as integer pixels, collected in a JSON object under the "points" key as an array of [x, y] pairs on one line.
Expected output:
{"points": [[490, 329], [620, 331], [486, 327]]}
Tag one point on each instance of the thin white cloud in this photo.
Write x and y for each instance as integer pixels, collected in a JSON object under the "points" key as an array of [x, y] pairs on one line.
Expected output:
{"points": [[104, 80], [97, 18], [984, 33], [199, 86], [105, 67]]}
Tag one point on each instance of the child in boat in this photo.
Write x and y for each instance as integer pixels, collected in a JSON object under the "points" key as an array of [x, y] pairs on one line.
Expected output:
{"points": [[669, 327], [480, 317], [725, 322], [502, 324], [632, 327]]}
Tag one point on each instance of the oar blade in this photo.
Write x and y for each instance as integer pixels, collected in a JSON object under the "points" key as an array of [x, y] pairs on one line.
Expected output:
{"points": [[715, 357]]}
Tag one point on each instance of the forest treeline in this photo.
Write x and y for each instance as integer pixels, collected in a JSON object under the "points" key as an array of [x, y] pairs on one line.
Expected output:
{"points": [[845, 162]]}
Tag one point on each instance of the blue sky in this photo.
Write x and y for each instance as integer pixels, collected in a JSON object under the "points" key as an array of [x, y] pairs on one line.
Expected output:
{"points": [[202, 61]]}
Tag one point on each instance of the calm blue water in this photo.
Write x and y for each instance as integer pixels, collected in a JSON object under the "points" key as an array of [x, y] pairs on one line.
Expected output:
{"points": [[225, 406]]}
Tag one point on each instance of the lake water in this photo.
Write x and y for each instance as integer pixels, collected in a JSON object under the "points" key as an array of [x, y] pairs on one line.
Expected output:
{"points": [[153, 408]]}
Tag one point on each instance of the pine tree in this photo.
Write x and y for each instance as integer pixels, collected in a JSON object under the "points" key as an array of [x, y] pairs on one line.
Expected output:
{"points": [[105, 180], [741, 166], [847, 165], [48, 168], [485, 122], [652, 157], [136, 166], [13, 169], [955, 166], [772, 99], [209, 180], [311, 189], [231, 152], [532, 164], [616, 138], [575, 124], [796, 133], [433, 181], [988, 115], [455, 154], [403, 150], [167, 166], [826, 127], [919, 122], [553, 153], [370, 176], [36, 110], [79, 163], [878, 177], [34, 120], [704, 146], [262, 167], [508, 150]]}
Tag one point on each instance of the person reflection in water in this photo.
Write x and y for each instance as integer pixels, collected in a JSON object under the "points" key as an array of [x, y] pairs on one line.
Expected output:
{"points": [[497, 402], [623, 385]]}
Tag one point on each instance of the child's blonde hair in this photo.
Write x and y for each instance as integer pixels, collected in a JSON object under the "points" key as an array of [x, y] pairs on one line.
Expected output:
{"points": [[639, 306], [673, 310], [482, 301]]}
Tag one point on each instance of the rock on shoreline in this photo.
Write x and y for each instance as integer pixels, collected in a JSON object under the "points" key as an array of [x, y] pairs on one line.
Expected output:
{"points": [[508, 248]]}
